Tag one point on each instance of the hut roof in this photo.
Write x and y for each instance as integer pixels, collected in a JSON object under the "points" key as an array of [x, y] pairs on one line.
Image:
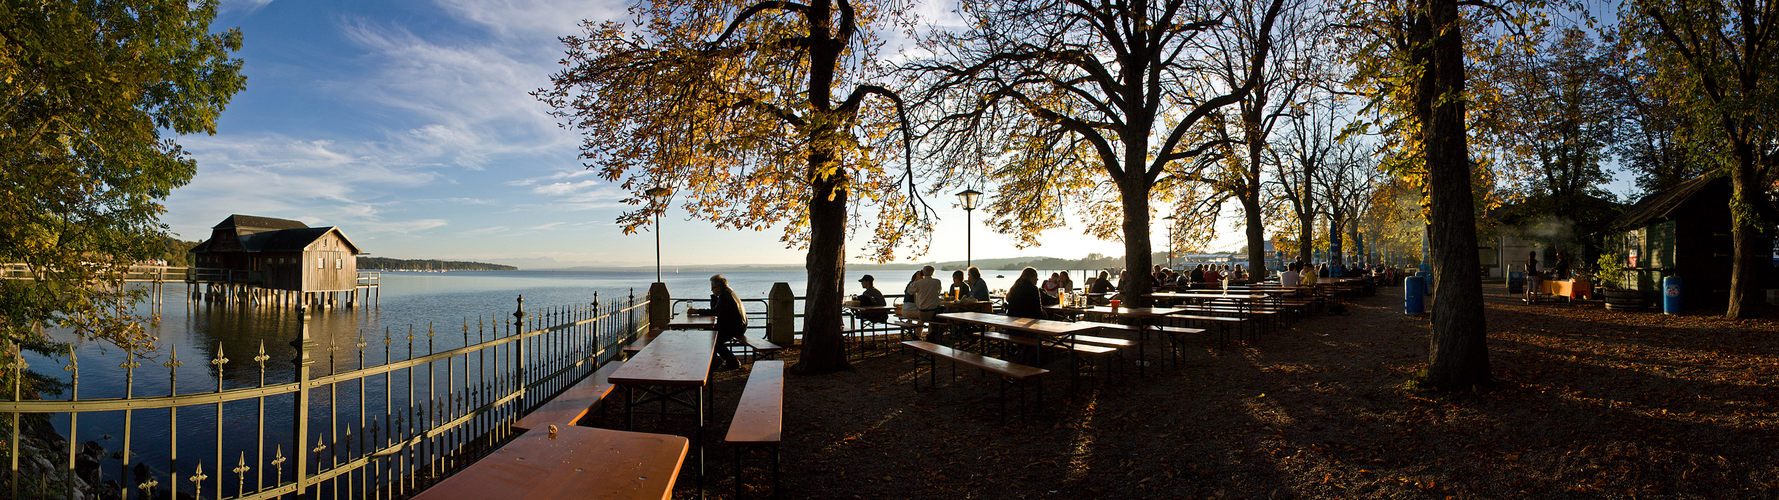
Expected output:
{"points": [[291, 240], [251, 222], [268, 234], [1660, 206]]}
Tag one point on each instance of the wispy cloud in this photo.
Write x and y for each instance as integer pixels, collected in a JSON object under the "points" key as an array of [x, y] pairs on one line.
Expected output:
{"points": [[533, 19], [244, 5], [319, 181]]}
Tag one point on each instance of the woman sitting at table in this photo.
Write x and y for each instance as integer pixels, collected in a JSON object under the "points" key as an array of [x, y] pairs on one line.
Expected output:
{"points": [[1102, 289], [1023, 298], [960, 289], [731, 319], [1050, 289], [909, 308]]}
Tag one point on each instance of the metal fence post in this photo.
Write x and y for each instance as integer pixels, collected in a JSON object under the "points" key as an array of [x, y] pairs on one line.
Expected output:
{"points": [[300, 424], [519, 329]]}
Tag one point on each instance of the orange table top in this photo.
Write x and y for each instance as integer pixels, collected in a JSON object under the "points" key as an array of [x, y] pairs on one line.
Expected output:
{"points": [[579, 462], [674, 358], [1027, 325], [693, 322]]}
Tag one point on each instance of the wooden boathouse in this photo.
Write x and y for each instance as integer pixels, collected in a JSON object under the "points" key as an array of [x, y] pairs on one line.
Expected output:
{"points": [[265, 260]]}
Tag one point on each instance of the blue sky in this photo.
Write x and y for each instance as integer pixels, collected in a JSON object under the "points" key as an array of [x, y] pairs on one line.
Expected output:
{"points": [[409, 125]]}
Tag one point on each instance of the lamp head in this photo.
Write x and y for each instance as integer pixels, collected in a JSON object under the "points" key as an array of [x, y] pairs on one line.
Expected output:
{"points": [[657, 194], [968, 197]]}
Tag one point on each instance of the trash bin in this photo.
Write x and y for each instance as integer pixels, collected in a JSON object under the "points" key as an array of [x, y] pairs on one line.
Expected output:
{"points": [[1671, 294], [1516, 282], [1414, 295]]}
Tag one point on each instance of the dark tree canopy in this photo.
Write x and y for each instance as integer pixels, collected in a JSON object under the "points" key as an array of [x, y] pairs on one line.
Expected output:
{"points": [[1069, 103]]}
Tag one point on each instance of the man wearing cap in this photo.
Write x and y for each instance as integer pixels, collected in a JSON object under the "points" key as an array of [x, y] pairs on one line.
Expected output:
{"points": [[871, 297]]}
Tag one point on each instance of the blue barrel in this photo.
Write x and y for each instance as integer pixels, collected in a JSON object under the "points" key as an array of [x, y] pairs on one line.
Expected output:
{"points": [[1428, 276], [1414, 295], [1671, 294]]}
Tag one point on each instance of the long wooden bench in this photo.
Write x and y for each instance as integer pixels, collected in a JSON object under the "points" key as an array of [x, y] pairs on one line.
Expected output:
{"points": [[570, 406], [1223, 322], [635, 346], [1009, 372], [759, 417], [760, 347]]}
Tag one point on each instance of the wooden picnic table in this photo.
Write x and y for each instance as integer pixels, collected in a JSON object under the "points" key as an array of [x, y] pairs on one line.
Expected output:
{"points": [[1059, 332], [693, 322], [578, 462], [1143, 317], [674, 364]]}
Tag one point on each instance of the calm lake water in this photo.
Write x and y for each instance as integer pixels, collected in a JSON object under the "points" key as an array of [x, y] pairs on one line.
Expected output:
{"points": [[193, 334]]}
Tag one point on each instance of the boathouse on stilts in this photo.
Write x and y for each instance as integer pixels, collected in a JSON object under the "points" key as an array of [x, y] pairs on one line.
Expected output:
{"points": [[254, 260]]}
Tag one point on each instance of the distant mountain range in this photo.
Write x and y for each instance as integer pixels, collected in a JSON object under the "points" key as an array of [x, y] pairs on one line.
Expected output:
{"points": [[388, 264]]}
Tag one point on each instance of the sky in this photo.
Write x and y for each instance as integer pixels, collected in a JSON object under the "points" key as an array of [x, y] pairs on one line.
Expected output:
{"points": [[410, 126]]}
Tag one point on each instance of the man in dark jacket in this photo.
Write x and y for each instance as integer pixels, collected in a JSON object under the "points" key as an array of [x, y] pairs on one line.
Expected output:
{"points": [[731, 319], [1023, 297], [871, 297]]}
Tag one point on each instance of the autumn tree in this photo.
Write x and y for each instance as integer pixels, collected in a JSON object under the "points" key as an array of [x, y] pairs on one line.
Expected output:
{"points": [[1344, 184], [1237, 169], [1311, 140], [1661, 143], [96, 94], [1410, 64], [1723, 57], [1079, 103], [1550, 111], [754, 115]]}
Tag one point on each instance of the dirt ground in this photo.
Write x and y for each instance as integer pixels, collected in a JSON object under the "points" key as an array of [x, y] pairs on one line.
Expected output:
{"points": [[1588, 403]]}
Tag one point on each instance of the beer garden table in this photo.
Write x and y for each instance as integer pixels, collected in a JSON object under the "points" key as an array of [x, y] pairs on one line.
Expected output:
{"points": [[673, 365], [571, 461]]}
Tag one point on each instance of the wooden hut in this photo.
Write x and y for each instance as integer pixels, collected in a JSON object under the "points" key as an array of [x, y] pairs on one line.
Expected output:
{"points": [[269, 258], [1684, 230]]}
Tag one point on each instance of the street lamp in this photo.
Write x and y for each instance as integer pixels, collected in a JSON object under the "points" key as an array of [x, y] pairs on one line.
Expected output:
{"points": [[1170, 240], [968, 197], [657, 197]]}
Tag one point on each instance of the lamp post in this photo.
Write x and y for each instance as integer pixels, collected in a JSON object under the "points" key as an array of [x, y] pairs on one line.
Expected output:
{"points": [[1170, 241], [968, 197], [657, 197]]}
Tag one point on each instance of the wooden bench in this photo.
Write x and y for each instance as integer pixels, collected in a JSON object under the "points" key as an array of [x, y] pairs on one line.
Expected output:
{"points": [[1009, 372], [1224, 323], [573, 403], [635, 346], [759, 417], [911, 328], [759, 347]]}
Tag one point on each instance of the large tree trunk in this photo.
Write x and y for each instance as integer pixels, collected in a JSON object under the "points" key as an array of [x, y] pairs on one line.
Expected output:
{"points": [[1306, 238], [1749, 253], [1256, 233], [1137, 259], [1358, 242], [1460, 356], [824, 350]]}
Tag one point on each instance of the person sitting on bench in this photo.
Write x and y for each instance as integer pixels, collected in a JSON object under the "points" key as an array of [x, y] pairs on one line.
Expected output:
{"points": [[731, 319], [869, 298]]}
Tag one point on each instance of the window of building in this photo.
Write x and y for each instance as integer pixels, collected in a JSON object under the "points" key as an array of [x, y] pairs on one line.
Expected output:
{"points": [[339, 263], [320, 262]]}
